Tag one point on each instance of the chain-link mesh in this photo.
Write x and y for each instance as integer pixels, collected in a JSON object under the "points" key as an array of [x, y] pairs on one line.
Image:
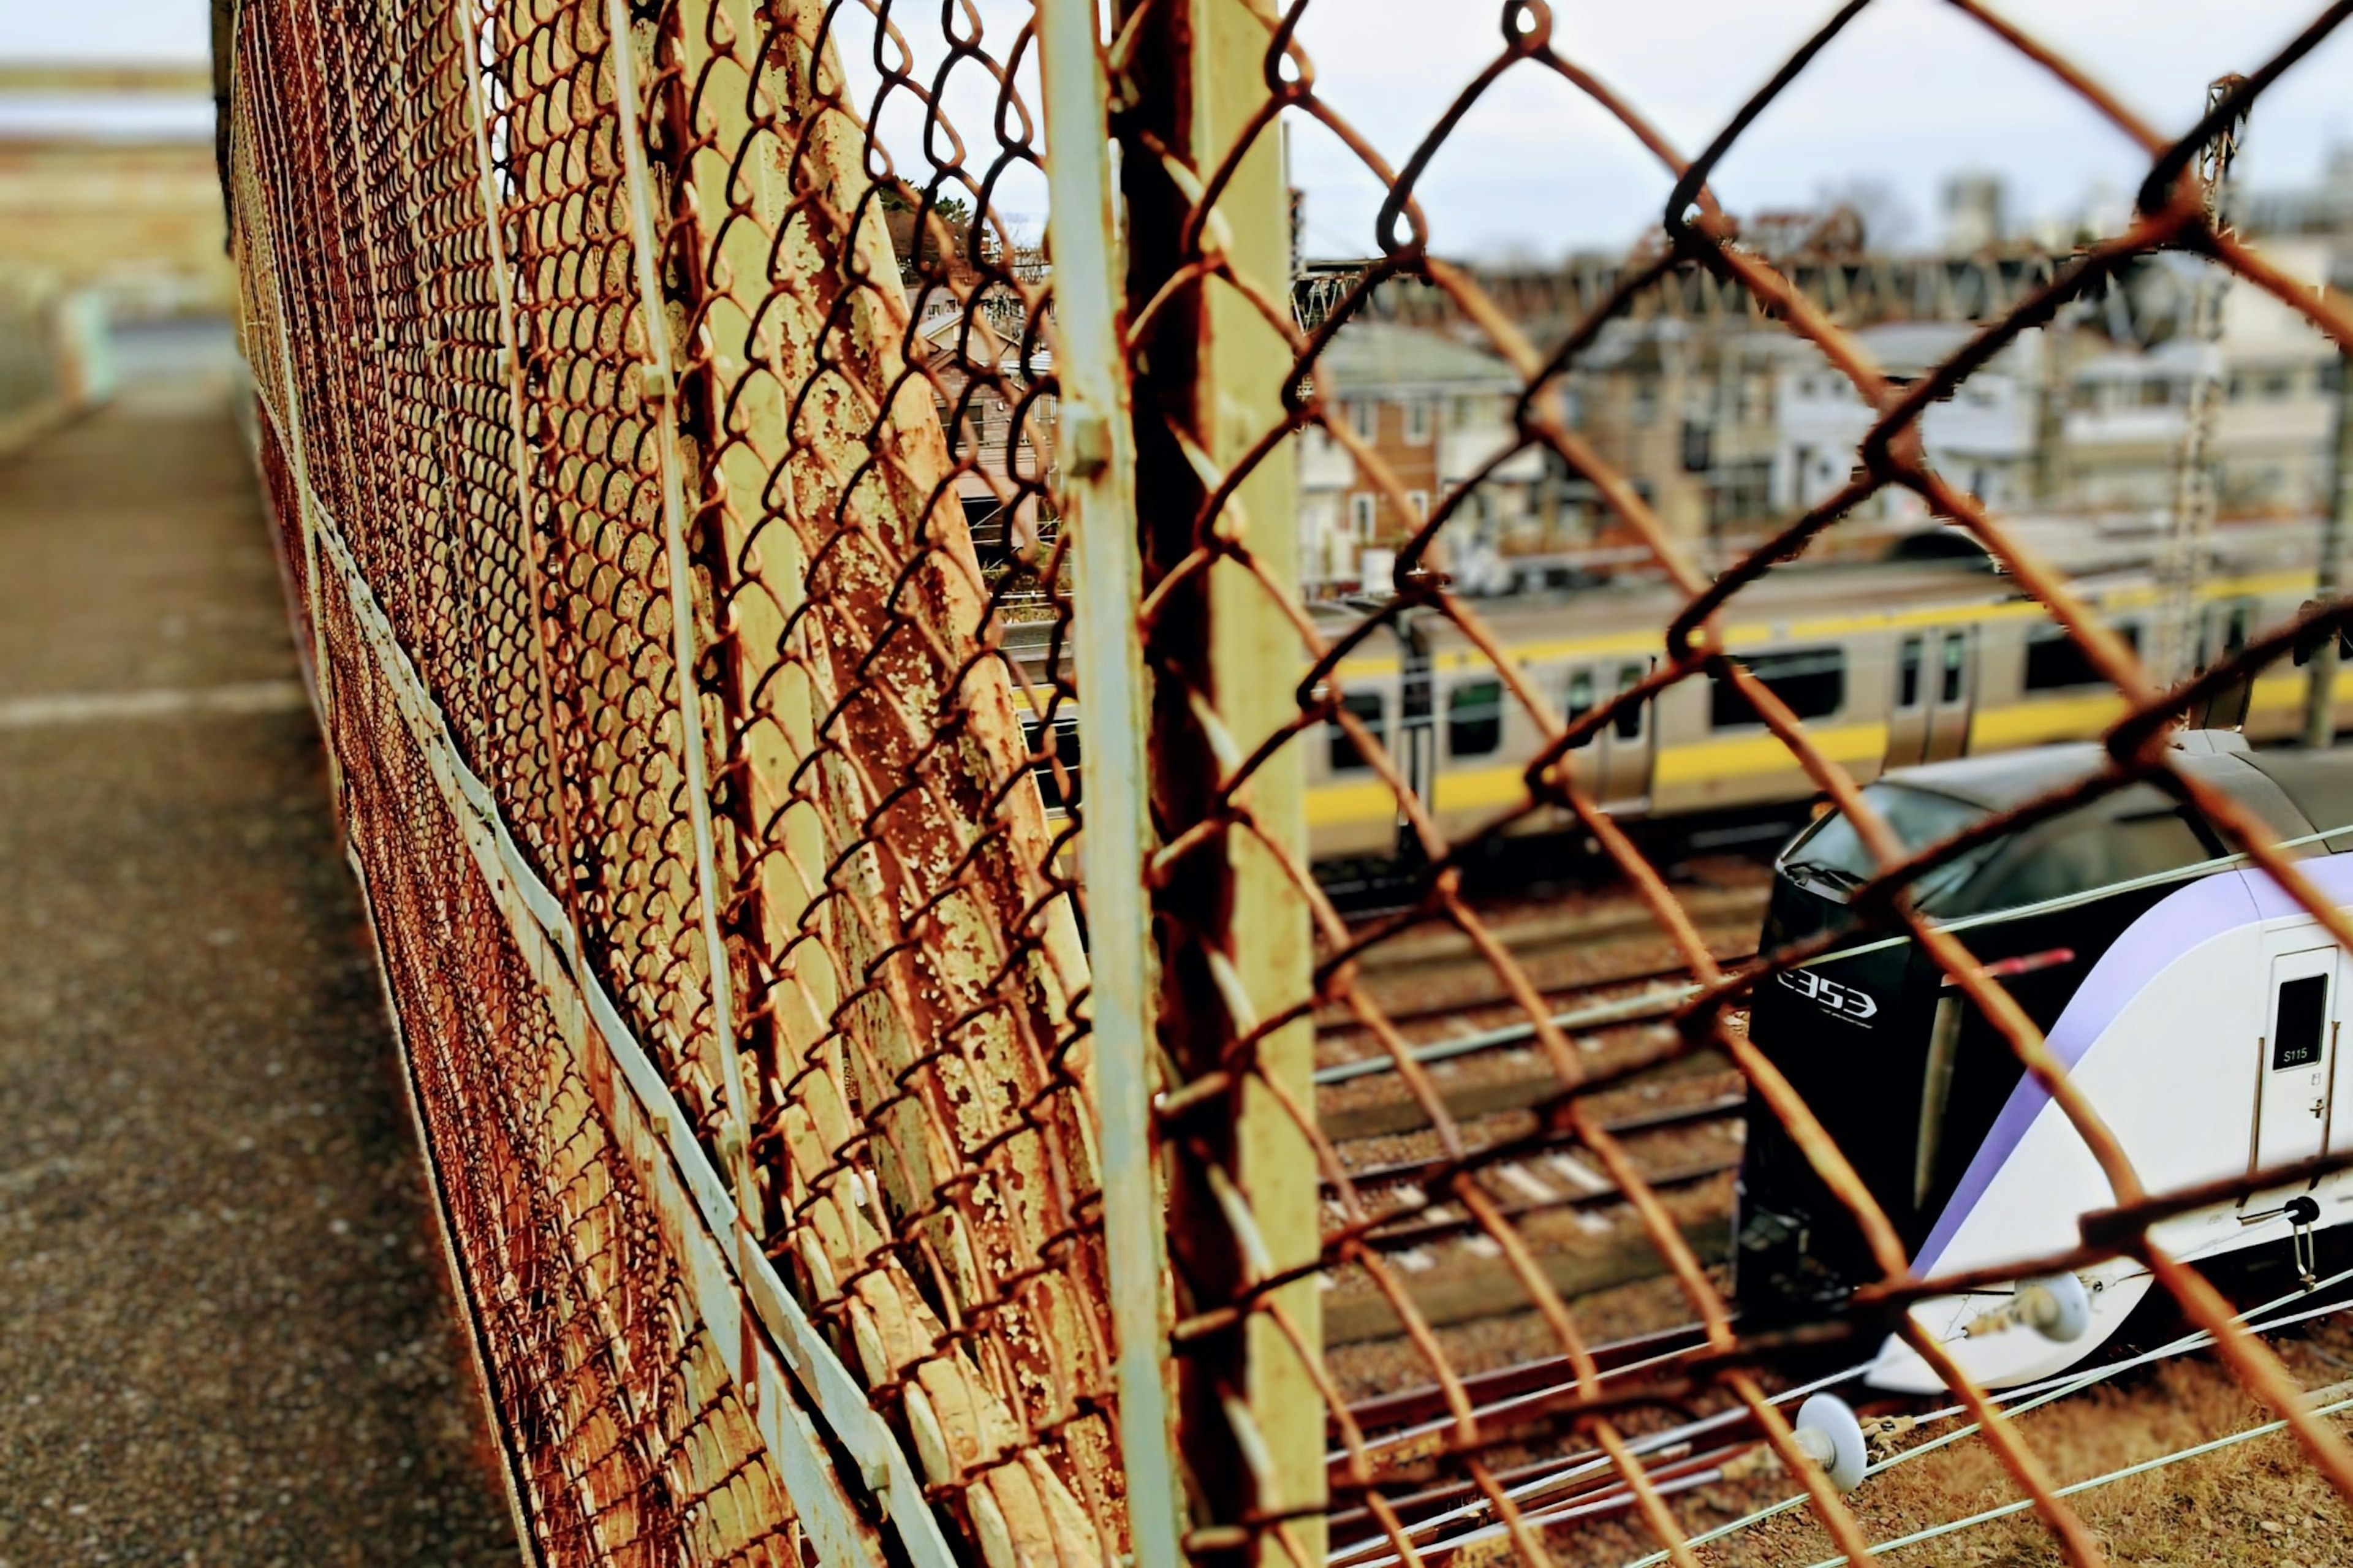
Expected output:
{"points": [[1438, 1451], [662, 420], [587, 354]]}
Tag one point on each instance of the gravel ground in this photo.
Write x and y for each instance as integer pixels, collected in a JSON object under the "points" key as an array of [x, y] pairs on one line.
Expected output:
{"points": [[227, 1338]]}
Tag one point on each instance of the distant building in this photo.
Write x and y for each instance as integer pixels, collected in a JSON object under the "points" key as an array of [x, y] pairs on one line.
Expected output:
{"points": [[1729, 427], [1984, 440], [1976, 216], [1436, 413], [139, 221], [2271, 445], [1687, 414], [1002, 467], [2325, 208]]}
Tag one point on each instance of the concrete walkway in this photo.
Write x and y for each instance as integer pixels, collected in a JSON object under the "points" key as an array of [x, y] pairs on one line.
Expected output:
{"points": [[224, 1337]]}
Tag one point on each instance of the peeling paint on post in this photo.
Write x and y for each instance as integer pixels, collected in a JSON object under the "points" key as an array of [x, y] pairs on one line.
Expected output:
{"points": [[1233, 929], [1098, 498]]}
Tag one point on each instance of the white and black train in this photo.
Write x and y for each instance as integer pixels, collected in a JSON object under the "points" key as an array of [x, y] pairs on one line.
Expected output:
{"points": [[2193, 1002]]}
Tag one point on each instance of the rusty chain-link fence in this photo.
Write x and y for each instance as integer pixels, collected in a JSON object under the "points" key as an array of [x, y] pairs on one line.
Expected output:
{"points": [[737, 548]]}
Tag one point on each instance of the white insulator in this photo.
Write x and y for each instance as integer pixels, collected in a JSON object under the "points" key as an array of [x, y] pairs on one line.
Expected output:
{"points": [[1829, 1433], [2057, 1307]]}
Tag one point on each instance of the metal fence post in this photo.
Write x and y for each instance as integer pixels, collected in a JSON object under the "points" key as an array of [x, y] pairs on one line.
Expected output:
{"points": [[1097, 494], [1232, 926], [734, 1129]]}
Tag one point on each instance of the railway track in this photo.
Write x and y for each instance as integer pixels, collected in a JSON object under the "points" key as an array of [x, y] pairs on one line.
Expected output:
{"points": [[1439, 973], [1679, 1116], [1446, 1521], [1342, 1027], [1404, 1201], [1573, 1221]]}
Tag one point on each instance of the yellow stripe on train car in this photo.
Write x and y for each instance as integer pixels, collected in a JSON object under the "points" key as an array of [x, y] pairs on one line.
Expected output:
{"points": [[1763, 753], [1548, 651], [1481, 789], [2285, 693], [1330, 805], [2038, 720]]}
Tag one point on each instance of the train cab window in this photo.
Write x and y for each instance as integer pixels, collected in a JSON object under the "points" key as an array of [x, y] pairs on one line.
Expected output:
{"points": [[2079, 853], [1628, 723], [1580, 702], [1474, 718], [1832, 856], [1811, 682], [1907, 672], [1370, 711], [1956, 671], [2054, 662], [2302, 1013]]}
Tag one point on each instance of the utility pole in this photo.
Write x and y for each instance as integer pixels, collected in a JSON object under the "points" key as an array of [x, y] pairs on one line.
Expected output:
{"points": [[2182, 566], [2336, 533]]}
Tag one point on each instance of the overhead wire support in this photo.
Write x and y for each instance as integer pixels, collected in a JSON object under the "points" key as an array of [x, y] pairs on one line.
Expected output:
{"points": [[2181, 651]]}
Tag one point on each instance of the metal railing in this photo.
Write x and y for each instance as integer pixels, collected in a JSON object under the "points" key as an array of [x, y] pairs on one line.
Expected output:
{"points": [[814, 1188]]}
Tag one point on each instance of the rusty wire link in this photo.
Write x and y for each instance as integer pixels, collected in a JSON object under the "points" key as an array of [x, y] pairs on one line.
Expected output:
{"points": [[661, 417]]}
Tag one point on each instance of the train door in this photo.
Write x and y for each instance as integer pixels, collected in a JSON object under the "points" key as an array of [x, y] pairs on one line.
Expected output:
{"points": [[1582, 690], [2294, 1052], [1626, 742], [1416, 750], [1951, 684], [2223, 632], [1907, 715]]}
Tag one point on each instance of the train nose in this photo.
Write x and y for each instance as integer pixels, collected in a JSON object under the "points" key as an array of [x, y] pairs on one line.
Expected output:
{"points": [[2001, 1339], [1779, 1272]]}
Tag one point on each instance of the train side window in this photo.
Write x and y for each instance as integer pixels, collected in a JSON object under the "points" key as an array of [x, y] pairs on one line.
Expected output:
{"points": [[1907, 672], [1066, 752], [2081, 853], [2300, 1015], [1474, 718], [1811, 683], [1372, 713], [1954, 674], [1628, 723], [1580, 702], [2054, 662]]}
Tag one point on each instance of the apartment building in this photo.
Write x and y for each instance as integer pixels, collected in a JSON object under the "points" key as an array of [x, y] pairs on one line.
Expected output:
{"points": [[1438, 414], [1985, 439], [1000, 431], [2271, 441]]}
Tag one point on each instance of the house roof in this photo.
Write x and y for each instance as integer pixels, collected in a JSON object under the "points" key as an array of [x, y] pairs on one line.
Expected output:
{"points": [[1382, 356]]}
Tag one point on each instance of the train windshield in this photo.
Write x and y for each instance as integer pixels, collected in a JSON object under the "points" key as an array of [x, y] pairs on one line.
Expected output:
{"points": [[1831, 858]]}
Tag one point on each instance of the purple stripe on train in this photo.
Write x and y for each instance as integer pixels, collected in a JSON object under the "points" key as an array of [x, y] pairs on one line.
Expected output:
{"points": [[2196, 913]]}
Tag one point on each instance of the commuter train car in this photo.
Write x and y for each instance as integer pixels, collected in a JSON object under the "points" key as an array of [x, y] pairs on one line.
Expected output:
{"points": [[1888, 666], [2194, 1003]]}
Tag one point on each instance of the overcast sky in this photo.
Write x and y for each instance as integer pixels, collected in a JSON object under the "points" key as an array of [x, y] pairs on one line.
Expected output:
{"points": [[1912, 93]]}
